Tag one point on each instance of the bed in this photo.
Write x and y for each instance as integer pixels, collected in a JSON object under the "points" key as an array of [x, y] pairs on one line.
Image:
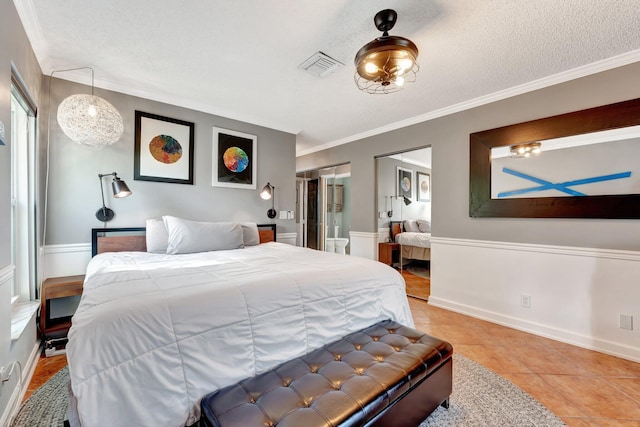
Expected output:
{"points": [[414, 237], [155, 332]]}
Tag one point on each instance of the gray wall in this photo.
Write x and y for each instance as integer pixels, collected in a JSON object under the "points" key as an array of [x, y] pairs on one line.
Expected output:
{"points": [[14, 48], [74, 187], [449, 138]]}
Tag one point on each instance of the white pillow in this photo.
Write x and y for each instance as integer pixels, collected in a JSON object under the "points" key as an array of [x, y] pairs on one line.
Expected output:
{"points": [[424, 226], [191, 236], [250, 235], [411, 225], [157, 237]]}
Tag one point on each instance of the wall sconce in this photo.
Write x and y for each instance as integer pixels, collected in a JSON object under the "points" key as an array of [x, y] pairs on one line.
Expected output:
{"points": [[269, 192], [120, 189], [525, 150], [405, 199]]}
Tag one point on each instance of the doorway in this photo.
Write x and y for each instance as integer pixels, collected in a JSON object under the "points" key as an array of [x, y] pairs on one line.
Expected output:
{"points": [[323, 208], [404, 215]]}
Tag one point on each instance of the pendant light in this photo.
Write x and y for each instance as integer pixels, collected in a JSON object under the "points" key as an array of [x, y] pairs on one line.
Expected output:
{"points": [[388, 63], [90, 120]]}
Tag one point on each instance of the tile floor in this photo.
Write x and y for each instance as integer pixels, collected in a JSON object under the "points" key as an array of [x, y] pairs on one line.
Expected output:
{"points": [[582, 387]]}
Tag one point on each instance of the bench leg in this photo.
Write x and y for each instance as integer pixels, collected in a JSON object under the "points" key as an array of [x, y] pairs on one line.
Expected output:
{"points": [[445, 404]]}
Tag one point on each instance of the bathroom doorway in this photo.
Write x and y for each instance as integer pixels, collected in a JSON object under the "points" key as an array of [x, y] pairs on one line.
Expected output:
{"points": [[323, 208]]}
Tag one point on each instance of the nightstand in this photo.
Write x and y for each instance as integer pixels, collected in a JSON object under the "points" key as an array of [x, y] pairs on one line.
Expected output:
{"points": [[389, 252], [52, 288]]}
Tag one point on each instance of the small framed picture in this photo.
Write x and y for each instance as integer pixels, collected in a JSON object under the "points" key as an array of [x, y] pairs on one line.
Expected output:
{"points": [[163, 149], [423, 186], [235, 159], [405, 182]]}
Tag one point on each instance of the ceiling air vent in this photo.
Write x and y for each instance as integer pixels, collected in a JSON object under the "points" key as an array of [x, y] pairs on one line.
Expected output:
{"points": [[320, 65]]}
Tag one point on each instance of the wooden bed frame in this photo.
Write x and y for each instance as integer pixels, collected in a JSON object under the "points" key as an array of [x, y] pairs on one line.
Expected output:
{"points": [[134, 238], [395, 228]]}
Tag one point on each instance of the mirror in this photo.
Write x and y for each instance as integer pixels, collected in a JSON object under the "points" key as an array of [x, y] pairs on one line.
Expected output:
{"points": [[578, 165], [403, 187]]}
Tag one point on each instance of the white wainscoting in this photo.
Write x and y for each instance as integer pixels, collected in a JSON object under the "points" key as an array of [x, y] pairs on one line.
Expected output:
{"points": [[66, 260], [383, 234], [17, 394], [288, 238], [576, 294], [363, 244], [6, 281]]}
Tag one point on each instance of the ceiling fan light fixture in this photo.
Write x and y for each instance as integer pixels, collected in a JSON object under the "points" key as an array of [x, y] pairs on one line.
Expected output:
{"points": [[387, 63]]}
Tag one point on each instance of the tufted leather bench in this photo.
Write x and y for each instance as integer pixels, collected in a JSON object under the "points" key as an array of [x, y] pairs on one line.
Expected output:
{"points": [[384, 375]]}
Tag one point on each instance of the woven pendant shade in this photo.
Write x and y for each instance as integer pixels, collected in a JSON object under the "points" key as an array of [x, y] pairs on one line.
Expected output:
{"points": [[90, 120]]}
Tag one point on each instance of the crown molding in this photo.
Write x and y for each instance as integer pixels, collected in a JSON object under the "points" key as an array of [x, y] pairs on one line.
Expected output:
{"points": [[565, 76]]}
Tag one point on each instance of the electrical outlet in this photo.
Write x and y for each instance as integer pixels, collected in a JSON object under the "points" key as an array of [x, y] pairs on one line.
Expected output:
{"points": [[525, 300], [626, 322]]}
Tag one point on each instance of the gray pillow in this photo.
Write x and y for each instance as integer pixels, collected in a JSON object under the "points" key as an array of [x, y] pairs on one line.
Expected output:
{"points": [[157, 237], [191, 236], [424, 226], [250, 235], [411, 225]]}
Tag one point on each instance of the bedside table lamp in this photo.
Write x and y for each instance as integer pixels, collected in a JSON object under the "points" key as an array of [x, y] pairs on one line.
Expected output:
{"points": [[120, 189]]}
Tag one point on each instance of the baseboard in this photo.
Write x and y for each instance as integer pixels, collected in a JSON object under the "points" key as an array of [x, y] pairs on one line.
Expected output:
{"points": [[13, 406], [545, 331]]}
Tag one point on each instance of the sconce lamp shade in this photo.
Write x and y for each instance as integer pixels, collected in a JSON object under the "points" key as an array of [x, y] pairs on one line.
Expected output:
{"points": [[268, 193], [120, 190], [388, 63], [90, 120], [407, 201]]}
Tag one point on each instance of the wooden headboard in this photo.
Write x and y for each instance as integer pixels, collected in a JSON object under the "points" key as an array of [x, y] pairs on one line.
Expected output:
{"points": [[395, 227], [134, 238]]}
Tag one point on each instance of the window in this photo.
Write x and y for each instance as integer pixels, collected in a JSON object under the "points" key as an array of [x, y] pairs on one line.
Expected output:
{"points": [[23, 229]]}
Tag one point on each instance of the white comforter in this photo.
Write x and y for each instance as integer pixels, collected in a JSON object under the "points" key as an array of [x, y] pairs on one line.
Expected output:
{"points": [[155, 333], [421, 240]]}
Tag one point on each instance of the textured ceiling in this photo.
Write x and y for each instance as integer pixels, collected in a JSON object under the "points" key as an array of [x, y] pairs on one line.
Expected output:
{"points": [[239, 59]]}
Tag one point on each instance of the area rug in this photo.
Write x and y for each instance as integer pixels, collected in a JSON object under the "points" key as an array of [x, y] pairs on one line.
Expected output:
{"points": [[420, 269], [480, 398], [47, 406]]}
